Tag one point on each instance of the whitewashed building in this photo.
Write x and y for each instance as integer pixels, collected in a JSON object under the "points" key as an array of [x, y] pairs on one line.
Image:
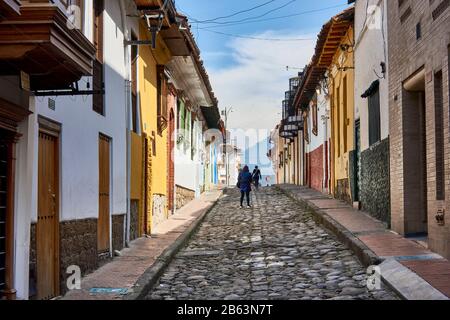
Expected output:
{"points": [[372, 108], [72, 168], [317, 133]]}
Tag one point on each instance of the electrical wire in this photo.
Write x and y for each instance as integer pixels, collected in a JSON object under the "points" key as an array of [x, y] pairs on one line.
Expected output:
{"points": [[234, 14], [256, 17], [253, 20], [255, 38]]}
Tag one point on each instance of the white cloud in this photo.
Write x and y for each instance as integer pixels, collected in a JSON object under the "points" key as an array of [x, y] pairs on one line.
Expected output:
{"points": [[254, 86]]}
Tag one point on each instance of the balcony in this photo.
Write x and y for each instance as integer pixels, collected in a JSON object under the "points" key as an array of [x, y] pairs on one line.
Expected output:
{"points": [[9, 8], [40, 42]]}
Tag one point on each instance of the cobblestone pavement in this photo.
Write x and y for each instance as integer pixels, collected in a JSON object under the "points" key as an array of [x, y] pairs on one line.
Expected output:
{"points": [[273, 251]]}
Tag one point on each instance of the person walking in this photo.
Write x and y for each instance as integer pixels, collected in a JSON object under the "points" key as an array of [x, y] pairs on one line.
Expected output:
{"points": [[245, 185], [256, 176]]}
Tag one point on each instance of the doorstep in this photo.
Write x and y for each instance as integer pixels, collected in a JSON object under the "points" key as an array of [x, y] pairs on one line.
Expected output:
{"points": [[409, 268]]}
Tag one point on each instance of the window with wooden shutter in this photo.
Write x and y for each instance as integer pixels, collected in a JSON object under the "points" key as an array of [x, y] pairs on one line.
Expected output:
{"points": [[374, 117], [134, 91], [98, 76], [161, 100], [337, 113], [345, 114], [314, 107], [306, 127]]}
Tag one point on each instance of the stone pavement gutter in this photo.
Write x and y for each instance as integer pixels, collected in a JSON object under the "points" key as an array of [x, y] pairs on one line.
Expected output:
{"points": [[132, 274], [409, 269]]}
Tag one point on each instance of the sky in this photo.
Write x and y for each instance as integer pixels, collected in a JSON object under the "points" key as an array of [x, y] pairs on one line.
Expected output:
{"points": [[250, 75]]}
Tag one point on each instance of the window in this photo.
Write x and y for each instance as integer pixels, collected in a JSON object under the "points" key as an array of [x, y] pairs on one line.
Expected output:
{"points": [[374, 117], [345, 114], [134, 100], [418, 31], [306, 127], [338, 117], [161, 100], [439, 134], [314, 116], [98, 76], [182, 116], [192, 139]]}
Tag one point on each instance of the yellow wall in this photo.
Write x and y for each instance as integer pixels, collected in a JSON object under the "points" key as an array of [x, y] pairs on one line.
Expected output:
{"points": [[343, 129], [148, 61]]}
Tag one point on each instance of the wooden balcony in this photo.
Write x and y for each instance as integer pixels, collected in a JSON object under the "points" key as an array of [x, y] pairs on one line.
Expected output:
{"points": [[9, 8], [41, 42]]}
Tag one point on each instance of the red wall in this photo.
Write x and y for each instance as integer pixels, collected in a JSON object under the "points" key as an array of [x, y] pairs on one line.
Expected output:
{"points": [[316, 168]]}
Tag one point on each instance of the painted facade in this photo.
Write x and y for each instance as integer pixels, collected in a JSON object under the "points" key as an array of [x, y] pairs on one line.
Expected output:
{"points": [[342, 117], [419, 53], [85, 149], [372, 108], [317, 144], [384, 68], [89, 197]]}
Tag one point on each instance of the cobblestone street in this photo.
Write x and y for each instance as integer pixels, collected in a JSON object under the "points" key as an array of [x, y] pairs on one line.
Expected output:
{"points": [[273, 251]]}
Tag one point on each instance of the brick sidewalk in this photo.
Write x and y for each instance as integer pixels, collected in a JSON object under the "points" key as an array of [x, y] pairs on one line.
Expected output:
{"points": [[383, 242], [124, 271]]}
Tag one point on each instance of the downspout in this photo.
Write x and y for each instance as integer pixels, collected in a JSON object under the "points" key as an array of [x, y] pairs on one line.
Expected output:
{"points": [[128, 119]]}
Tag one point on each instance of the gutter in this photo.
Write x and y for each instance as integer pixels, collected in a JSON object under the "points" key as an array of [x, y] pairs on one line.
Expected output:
{"points": [[128, 103]]}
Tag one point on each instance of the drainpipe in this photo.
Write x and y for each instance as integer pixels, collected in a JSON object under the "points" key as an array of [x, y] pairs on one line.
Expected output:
{"points": [[128, 119]]}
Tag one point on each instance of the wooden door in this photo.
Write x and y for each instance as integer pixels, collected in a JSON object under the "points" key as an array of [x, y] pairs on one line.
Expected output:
{"points": [[3, 208], [170, 157], [47, 239], [104, 220]]}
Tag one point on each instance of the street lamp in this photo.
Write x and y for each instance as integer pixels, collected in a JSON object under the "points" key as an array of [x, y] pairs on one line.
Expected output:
{"points": [[225, 113]]}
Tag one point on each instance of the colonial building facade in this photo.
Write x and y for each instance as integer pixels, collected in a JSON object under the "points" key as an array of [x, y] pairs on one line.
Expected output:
{"points": [[88, 109], [419, 41], [383, 68], [372, 109]]}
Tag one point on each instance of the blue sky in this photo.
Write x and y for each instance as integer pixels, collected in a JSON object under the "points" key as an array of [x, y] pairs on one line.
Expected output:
{"points": [[250, 75], [215, 46]]}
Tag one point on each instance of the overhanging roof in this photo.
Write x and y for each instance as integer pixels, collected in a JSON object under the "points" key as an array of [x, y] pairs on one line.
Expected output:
{"points": [[212, 117], [329, 39]]}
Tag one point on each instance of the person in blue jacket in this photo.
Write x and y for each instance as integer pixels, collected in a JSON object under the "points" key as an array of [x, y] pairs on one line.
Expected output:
{"points": [[245, 185]]}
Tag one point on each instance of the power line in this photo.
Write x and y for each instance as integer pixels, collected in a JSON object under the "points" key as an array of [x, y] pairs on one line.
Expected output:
{"points": [[234, 14], [256, 17], [255, 38], [251, 20]]}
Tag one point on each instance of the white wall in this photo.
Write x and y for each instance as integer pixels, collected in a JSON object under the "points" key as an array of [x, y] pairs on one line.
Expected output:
{"points": [[79, 176], [369, 53], [322, 131], [188, 171]]}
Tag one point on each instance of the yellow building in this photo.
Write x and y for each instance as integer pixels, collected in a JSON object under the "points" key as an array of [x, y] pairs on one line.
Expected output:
{"points": [[154, 124], [341, 88]]}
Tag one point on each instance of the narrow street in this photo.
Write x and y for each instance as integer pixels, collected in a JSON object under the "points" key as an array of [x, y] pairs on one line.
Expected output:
{"points": [[273, 251]]}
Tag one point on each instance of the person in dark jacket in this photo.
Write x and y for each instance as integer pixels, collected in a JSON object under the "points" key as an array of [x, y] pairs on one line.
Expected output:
{"points": [[257, 176], [245, 185]]}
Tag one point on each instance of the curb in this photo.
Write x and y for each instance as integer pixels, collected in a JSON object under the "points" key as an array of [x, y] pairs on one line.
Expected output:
{"points": [[149, 278], [407, 284], [366, 256]]}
